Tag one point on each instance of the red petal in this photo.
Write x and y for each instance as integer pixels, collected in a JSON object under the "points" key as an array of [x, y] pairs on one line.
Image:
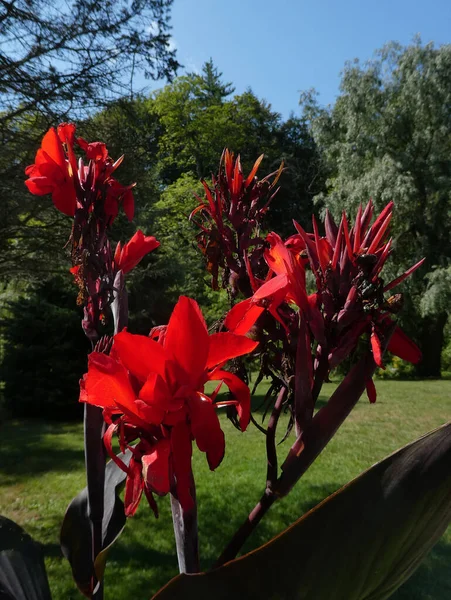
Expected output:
{"points": [[128, 203], [206, 429], [187, 340], [52, 145], [109, 448], [241, 392], [224, 346], [151, 501], [366, 217], [381, 218], [64, 198], [66, 132], [357, 229], [271, 287], [346, 235], [181, 459], [117, 253], [371, 390], [243, 316], [406, 274], [337, 248], [106, 383], [251, 175], [139, 354], [156, 468], [402, 346], [133, 488], [377, 350], [134, 251], [151, 415], [331, 228], [39, 186], [380, 234], [155, 391], [309, 243], [323, 261], [325, 252]]}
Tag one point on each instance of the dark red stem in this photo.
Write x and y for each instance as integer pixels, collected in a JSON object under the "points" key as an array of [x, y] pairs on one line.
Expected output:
{"points": [[271, 452], [248, 526], [185, 532]]}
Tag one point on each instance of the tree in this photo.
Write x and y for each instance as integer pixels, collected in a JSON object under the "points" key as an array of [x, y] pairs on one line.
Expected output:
{"points": [[211, 90], [388, 137], [45, 352], [62, 59]]}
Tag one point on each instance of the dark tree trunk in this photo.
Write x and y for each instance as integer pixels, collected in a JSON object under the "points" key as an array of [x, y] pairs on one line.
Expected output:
{"points": [[431, 340]]}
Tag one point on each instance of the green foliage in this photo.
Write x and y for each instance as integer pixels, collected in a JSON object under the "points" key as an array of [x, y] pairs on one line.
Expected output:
{"points": [[396, 368], [211, 90], [44, 354], [437, 297], [446, 354], [176, 268]]}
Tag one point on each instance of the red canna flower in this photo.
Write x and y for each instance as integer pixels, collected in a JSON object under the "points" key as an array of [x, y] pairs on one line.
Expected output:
{"points": [[128, 256], [52, 174], [154, 391], [74, 185]]}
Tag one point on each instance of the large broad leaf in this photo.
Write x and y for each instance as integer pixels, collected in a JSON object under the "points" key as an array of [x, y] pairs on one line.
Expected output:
{"points": [[361, 543], [76, 533], [22, 570]]}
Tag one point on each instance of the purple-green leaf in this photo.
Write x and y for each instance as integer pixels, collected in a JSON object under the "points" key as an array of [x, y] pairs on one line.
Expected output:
{"points": [[361, 543], [76, 532]]}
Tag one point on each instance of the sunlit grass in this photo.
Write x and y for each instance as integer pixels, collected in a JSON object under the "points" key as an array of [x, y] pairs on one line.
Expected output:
{"points": [[42, 469]]}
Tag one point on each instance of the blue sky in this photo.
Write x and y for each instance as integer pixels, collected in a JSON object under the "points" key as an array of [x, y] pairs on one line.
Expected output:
{"points": [[279, 47]]}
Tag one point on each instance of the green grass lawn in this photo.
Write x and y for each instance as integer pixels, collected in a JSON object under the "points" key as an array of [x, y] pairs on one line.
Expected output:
{"points": [[42, 469]]}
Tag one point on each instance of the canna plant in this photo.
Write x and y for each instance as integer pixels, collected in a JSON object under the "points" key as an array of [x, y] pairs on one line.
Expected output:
{"points": [[301, 307]]}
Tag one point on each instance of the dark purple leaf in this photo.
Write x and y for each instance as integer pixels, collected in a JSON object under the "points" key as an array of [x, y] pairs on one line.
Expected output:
{"points": [[22, 570]]}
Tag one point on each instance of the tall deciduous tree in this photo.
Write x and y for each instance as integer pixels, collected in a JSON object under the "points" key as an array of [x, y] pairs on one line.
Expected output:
{"points": [[388, 137]]}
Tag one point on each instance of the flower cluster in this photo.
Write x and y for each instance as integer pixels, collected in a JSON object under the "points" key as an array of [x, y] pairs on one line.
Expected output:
{"points": [[75, 186], [231, 215], [91, 195], [152, 389], [349, 300]]}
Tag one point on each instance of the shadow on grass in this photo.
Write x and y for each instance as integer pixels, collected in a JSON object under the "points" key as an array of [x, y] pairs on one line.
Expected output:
{"points": [[27, 450]]}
